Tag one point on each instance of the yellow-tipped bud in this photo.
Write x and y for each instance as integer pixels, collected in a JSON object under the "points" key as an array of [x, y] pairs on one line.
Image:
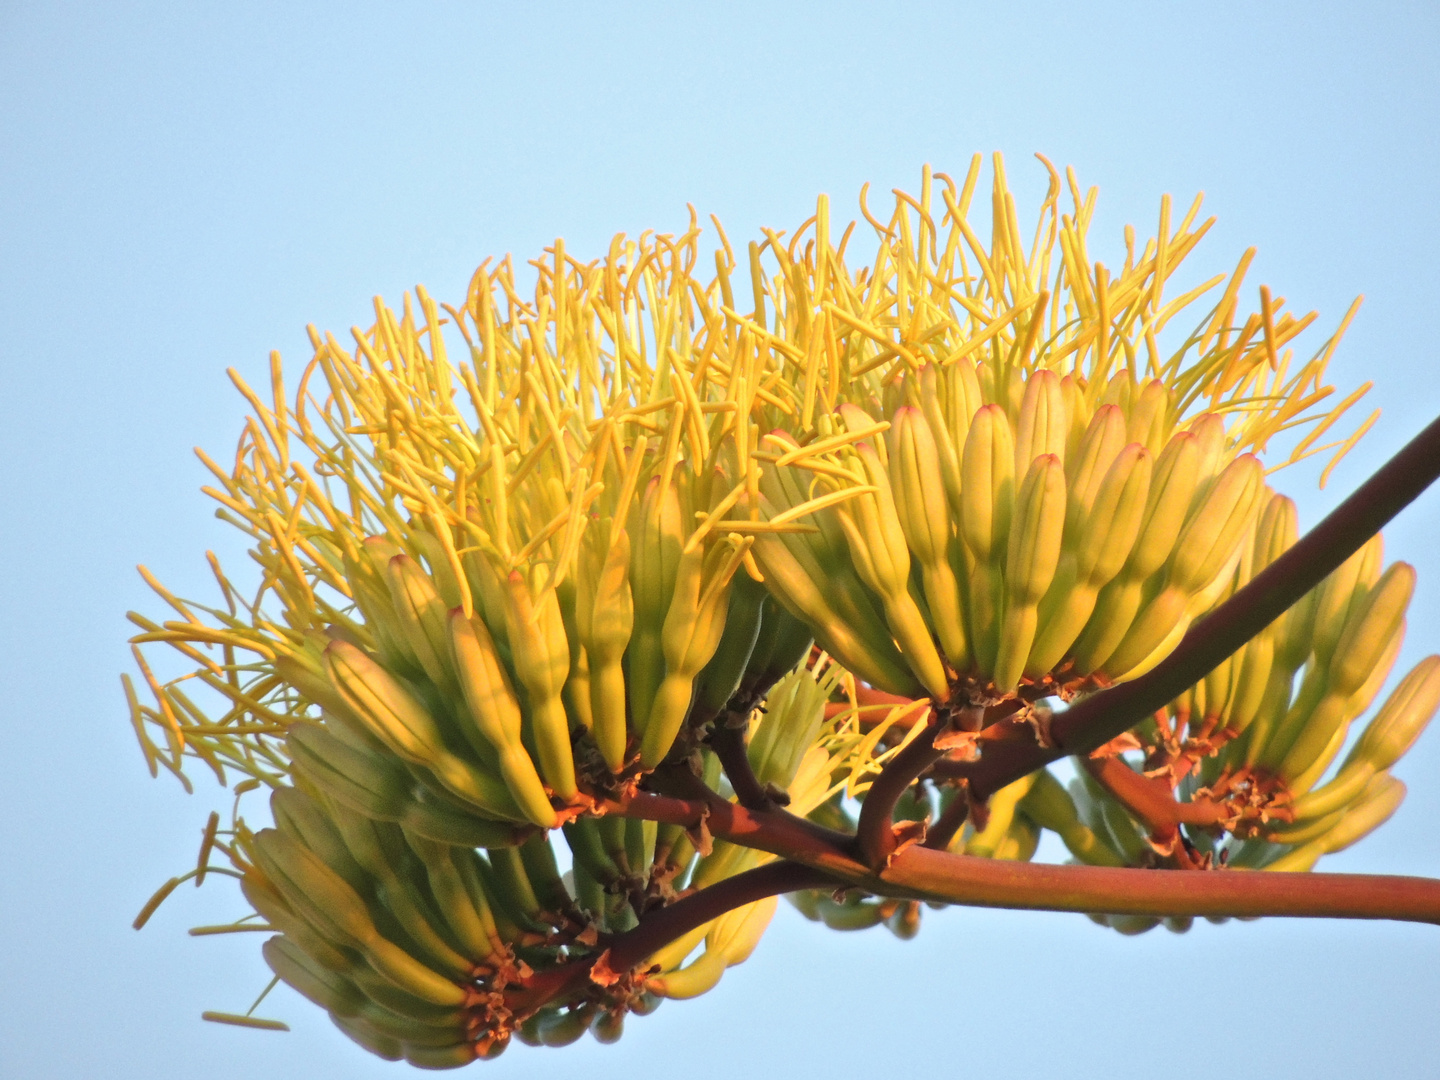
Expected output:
{"points": [[1215, 530], [540, 653], [1381, 798], [691, 633], [1204, 552], [605, 620], [918, 486], [1043, 424], [1104, 535], [1101, 443], [1033, 553], [1405, 714], [987, 483], [390, 712], [1370, 628], [1149, 418], [1172, 486], [882, 560], [493, 710], [422, 613]]}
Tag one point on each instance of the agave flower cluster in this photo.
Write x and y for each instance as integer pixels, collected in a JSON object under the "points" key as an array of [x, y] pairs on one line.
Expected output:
{"points": [[502, 596]]}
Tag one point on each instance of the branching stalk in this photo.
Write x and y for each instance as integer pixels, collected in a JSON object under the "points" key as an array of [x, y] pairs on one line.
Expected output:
{"points": [[951, 820], [1149, 799], [663, 925], [729, 746], [874, 834]]}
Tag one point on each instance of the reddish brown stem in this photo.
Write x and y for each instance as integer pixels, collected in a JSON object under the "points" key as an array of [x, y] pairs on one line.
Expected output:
{"points": [[663, 925], [1149, 798], [1098, 719], [773, 829], [874, 833], [665, 809], [951, 820], [964, 879], [924, 873], [729, 746]]}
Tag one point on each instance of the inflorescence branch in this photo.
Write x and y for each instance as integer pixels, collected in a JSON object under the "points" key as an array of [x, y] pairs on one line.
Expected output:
{"points": [[958, 498], [729, 745], [920, 871]]}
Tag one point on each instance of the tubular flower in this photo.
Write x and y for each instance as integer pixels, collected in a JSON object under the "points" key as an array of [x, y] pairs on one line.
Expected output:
{"points": [[1013, 486], [664, 584]]}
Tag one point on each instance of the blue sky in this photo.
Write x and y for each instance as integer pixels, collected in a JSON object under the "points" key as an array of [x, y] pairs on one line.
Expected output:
{"points": [[183, 187]]}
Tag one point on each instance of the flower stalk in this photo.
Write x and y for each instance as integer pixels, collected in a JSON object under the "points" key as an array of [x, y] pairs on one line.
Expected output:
{"points": [[718, 598]]}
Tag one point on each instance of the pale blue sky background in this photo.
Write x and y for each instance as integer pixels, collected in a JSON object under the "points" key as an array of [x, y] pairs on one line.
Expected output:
{"points": [[184, 186]]}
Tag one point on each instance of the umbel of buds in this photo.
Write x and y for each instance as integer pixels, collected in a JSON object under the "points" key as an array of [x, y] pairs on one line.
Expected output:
{"points": [[678, 591]]}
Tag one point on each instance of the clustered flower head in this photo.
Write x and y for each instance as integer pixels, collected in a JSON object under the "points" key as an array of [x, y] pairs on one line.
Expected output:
{"points": [[653, 504]]}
